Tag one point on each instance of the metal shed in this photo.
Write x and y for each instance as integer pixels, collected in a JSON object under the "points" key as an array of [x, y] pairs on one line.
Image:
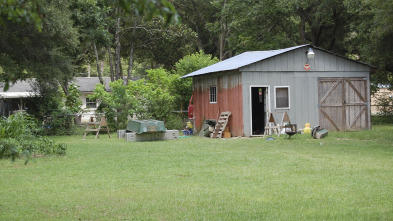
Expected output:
{"points": [[328, 90]]}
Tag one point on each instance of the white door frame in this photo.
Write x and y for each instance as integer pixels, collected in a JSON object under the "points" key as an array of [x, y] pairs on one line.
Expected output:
{"points": [[267, 103]]}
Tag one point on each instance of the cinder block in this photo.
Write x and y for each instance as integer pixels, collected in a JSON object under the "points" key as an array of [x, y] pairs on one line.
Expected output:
{"points": [[129, 137], [121, 133], [171, 134], [168, 135]]}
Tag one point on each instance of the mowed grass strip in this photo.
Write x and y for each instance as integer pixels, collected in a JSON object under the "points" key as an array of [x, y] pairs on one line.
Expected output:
{"points": [[346, 176]]}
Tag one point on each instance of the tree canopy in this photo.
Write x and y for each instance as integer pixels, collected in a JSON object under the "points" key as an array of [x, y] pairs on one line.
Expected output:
{"points": [[56, 40]]}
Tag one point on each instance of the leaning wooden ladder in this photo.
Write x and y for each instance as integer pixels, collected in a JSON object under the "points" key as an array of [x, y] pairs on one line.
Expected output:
{"points": [[221, 124], [102, 126]]}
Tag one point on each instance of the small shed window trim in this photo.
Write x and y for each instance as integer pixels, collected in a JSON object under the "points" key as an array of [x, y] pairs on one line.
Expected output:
{"points": [[213, 94], [275, 98]]}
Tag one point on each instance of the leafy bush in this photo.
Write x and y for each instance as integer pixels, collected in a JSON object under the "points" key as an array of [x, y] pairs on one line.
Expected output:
{"points": [[186, 65], [19, 137], [60, 122], [381, 119], [19, 125], [55, 108], [146, 99], [174, 122], [154, 97], [72, 101]]}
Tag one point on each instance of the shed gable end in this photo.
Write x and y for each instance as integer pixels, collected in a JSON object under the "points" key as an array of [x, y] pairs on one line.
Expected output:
{"points": [[296, 59]]}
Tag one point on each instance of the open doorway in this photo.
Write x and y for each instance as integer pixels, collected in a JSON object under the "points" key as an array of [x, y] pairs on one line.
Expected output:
{"points": [[259, 109]]}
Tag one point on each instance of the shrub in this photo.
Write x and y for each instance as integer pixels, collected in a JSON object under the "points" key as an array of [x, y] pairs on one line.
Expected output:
{"points": [[145, 99], [174, 122], [60, 123], [19, 125], [19, 137]]}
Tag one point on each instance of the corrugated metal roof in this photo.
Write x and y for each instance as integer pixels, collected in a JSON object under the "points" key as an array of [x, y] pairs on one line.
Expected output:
{"points": [[241, 60]]}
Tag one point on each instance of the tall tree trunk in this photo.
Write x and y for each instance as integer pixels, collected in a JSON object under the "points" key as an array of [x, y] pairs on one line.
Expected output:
{"points": [[102, 67], [223, 27], [302, 28], [117, 43], [111, 64], [88, 70], [131, 60], [121, 70], [98, 64]]}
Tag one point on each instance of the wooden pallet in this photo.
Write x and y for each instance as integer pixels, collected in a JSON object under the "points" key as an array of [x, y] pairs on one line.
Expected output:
{"points": [[221, 124]]}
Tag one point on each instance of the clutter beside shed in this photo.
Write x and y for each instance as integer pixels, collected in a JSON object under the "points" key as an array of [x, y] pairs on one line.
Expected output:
{"points": [[318, 133], [147, 130]]}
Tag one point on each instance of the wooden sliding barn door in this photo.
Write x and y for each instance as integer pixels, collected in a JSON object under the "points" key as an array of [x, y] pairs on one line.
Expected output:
{"points": [[343, 103]]}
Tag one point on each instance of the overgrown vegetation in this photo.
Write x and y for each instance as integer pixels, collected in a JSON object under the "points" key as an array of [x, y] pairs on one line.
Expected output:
{"points": [[149, 98], [19, 136], [154, 97]]}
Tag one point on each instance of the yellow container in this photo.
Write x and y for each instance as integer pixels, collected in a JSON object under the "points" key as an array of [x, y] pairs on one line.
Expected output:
{"points": [[227, 135], [307, 129]]}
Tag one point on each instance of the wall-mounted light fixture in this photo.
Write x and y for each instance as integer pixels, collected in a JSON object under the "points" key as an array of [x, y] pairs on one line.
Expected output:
{"points": [[310, 53]]}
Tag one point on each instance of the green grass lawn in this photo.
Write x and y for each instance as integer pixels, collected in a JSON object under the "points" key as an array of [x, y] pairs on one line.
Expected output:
{"points": [[346, 176]]}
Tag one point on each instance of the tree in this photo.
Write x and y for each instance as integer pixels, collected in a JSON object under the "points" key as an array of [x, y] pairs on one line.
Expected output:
{"points": [[198, 15], [89, 17], [22, 12], [48, 54], [371, 39], [149, 98], [186, 65]]}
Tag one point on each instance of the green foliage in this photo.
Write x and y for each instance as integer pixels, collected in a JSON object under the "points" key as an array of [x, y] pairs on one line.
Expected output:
{"points": [[22, 12], [186, 65], [116, 105], [144, 99], [60, 122], [160, 86], [151, 8], [379, 119], [194, 62], [13, 148], [174, 122], [18, 137], [48, 54], [20, 125], [73, 102]]}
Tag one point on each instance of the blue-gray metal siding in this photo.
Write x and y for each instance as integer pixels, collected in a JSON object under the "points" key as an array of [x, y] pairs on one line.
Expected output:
{"points": [[288, 70]]}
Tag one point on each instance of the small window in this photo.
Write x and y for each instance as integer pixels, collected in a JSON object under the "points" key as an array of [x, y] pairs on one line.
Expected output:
{"points": [[213, 94], [91, 103], [282, 97]]}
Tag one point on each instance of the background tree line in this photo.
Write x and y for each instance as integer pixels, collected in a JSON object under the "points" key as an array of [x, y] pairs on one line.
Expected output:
{"points": [[54, 41]]}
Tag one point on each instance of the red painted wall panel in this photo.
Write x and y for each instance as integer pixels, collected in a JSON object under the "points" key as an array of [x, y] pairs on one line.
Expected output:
{"points": [[229, 98]]}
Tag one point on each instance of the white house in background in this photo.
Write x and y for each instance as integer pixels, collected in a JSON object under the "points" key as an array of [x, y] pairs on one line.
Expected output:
{"points": [[17, 95]]}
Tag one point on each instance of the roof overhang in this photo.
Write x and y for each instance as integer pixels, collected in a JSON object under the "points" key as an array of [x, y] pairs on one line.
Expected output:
{"points": [[17, 94]]}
